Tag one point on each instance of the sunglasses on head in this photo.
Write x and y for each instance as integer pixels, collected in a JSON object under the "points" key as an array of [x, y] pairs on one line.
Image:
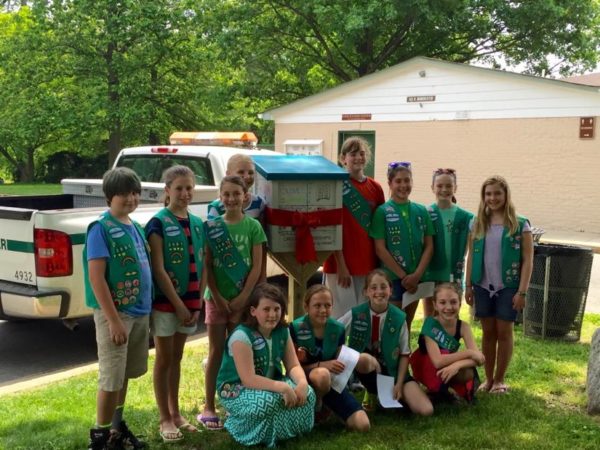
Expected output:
{"points": [[404, 164]]}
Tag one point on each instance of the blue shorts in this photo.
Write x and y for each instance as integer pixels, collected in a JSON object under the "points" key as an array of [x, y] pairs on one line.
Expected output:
{"points": [[498, 305], [397, 290], [342, 404]]}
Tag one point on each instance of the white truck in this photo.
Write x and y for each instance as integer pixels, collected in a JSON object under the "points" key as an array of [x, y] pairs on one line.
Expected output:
{"points": [[41, 237]]}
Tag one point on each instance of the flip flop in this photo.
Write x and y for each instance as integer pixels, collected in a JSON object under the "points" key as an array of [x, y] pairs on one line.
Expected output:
{"points": [[171, 436], [204, 421], [484, 387], [187, 427], [499, 389]]}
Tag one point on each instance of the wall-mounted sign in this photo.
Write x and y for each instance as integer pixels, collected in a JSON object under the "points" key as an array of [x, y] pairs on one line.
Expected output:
{"points": [[365, 116], [586, 127], [420, 98]]}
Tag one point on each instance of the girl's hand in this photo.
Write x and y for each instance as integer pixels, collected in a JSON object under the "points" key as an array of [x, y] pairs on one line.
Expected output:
{"points": [[333, 365], [183, 314], [289, 396], [343, 276], [478, 357], [518, 301], [410, 282], [398, 391], [446, 373], [301, 392], [469, 295], [193, 320]]}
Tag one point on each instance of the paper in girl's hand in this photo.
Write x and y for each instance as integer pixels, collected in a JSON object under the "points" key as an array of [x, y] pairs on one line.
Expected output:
{"points": [[348, 357], [424, 290], [385, 392]]}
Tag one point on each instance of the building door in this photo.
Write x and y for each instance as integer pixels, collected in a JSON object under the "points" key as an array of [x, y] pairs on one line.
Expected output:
{"points": [[368, 136]]}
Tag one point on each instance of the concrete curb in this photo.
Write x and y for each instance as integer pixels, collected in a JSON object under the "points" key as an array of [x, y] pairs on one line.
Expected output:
{"points": [[40, 381]]}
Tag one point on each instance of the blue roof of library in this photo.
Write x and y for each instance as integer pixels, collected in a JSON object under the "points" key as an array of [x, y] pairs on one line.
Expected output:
{"points": [[298, 167]]}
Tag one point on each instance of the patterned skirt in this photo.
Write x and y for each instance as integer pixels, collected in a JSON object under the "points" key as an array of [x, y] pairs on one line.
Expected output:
{"points": [[260, 417]]}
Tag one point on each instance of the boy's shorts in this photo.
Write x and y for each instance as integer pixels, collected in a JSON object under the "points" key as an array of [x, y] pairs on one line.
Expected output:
{"points": [[120, 362], [212, 315], [165, 324], [498, 305]]}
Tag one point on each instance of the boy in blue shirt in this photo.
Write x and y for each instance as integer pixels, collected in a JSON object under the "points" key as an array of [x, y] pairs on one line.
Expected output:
{"points": [[118, 284]]}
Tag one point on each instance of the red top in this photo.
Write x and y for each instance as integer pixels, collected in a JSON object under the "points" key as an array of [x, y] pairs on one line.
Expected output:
{"points": [[358, 248]]}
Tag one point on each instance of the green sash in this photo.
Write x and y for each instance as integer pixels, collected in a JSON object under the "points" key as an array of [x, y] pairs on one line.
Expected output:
{"points": [[305, 336], [223, 249], [459, 237], [405, 235], [122, 268], [360, 334], [511, 256], [175, 249], [434, 330], [260, 353], [357, 205]]}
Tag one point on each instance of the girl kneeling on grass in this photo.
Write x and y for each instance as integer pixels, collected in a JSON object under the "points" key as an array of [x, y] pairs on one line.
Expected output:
{"points": [[438, 363], [264, 406], [318, 339], [379, 332]]}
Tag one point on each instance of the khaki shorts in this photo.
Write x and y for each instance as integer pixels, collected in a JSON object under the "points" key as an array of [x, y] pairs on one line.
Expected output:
{"points": [[119, 362], [164, 324]]}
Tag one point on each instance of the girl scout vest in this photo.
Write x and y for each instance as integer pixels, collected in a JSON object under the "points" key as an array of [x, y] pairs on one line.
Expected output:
{"points": [[511, 256], [360, 334], [404, 238], [175, 249], [228, 374], [122, 268], [224, 249], [357, 205], [306, 338], [460, 235]]}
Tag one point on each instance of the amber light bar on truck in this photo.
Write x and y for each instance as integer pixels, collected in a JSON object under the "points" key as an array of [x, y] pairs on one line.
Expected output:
{"points": [[222, 138], [53, 253]]}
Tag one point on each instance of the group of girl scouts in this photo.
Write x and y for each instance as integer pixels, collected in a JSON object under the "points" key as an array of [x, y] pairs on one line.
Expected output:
{"points": [[393, 253]]}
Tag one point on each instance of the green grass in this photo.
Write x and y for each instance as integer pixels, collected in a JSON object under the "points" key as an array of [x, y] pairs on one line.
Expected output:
{"points": [[544, 409], [30, 189]]}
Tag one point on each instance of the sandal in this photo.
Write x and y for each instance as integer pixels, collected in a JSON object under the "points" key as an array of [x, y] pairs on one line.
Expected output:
{"points": [[171, 436], [205, 421], [484, 387], [500, 388], [187, 427]]}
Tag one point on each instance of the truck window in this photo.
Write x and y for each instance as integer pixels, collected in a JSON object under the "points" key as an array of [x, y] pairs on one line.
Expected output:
{"points": [[150, 167]]}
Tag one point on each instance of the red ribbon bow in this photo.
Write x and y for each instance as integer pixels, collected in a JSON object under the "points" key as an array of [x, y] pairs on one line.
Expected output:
{"points": [[302, 222]]}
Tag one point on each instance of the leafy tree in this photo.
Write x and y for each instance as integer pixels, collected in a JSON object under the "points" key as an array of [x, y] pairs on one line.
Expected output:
{"points": [[352, 39]]}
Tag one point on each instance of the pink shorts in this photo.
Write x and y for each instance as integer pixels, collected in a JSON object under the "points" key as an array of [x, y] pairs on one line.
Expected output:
{"points": [[212, 316]]}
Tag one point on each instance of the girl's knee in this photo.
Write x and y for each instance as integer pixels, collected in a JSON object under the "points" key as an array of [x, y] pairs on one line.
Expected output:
{"points": [[366, 363], [359, 421], [320, 379], [417, 400]]}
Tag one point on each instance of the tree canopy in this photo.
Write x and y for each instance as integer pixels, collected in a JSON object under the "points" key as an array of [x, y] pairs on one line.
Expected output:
{"points": [[93, 76]]}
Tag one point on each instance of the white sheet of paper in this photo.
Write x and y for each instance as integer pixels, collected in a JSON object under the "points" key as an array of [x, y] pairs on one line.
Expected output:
{"points": [[348, 357], [424, 290], [385, 392]]}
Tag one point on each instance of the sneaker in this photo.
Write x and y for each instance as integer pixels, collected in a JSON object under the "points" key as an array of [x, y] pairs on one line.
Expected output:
{"points": [[356, 387], [99, 438], [369, 402], [126, 440]]}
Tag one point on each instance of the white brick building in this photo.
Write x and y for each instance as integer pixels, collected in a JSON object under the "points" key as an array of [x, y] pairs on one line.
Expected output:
{"points": [[476, 120]]}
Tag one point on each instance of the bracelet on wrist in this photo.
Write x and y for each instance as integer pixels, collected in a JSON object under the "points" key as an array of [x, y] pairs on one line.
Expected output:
{"points": [[522, 293]]}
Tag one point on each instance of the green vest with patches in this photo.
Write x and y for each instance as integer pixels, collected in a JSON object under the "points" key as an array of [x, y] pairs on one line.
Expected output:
{"points": [[434, 330], [360, 334], [357, 205], [511, 256], [305, 336], [404, 238], [122, 273], [460, 235], [175, 249], [228, 373]]}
